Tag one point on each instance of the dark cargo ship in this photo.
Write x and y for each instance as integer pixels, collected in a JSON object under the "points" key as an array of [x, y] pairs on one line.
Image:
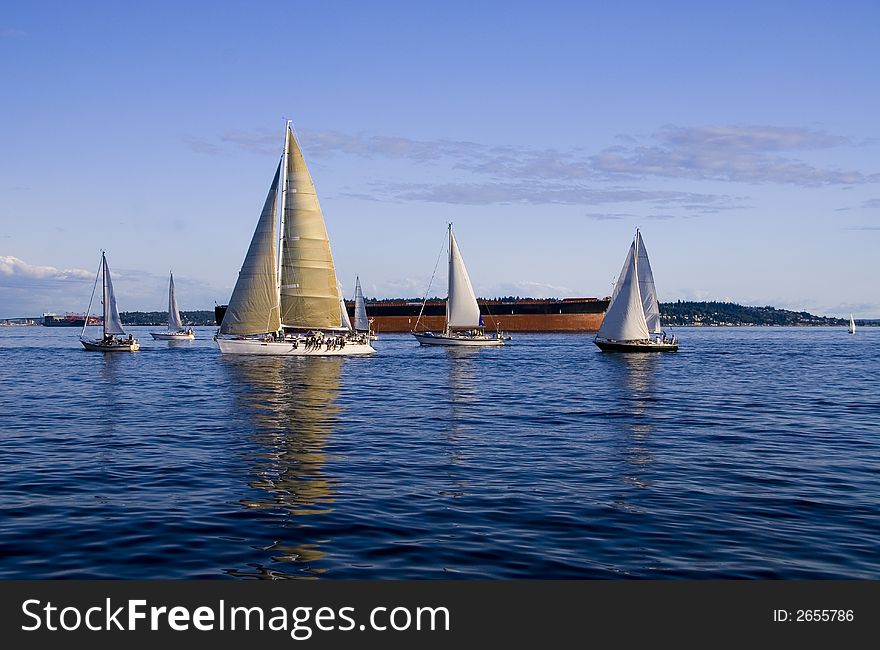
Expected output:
{"points": [[69, 320], [524, 315]]}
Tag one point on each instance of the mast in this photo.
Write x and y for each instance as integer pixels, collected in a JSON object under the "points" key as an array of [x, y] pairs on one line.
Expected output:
{"points": [[636, 258], [281, 238], [104, 292], [448, 281]]}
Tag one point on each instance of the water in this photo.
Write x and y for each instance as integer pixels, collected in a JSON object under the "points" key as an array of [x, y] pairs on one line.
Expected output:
{"points": [[751, 453]]}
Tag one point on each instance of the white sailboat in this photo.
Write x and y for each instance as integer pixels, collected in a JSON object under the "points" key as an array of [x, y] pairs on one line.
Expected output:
{"points": [[286, 300], [361, 321], [632, 321], [176, 331], [852, 325], [113, 339], [464, 325]]}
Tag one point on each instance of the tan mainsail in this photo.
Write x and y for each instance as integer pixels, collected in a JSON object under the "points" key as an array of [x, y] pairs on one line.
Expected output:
{"points": [[253, 308], [309, 290]]}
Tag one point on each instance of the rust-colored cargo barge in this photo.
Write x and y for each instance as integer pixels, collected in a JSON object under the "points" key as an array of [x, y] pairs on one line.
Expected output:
{"points": [[509, 315]]}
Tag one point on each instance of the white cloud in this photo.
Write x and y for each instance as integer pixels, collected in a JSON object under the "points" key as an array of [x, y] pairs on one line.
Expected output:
{"points": [[16, 272], [29, 290]]}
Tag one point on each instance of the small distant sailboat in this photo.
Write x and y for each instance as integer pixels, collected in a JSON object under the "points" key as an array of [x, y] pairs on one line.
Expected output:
{"points": [[176, 331], [852, 325], [464, 325], [632, 321], [361, 322], [286, 300], [113, 335]]}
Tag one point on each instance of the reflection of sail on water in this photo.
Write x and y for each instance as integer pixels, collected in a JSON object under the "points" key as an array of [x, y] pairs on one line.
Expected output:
{"points": [[462, 378], [294, 413], [638, 394]]}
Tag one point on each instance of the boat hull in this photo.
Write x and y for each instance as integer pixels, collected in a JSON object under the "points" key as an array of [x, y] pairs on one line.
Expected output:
{"points": [[458, 341], [617, 346], [100, 346], [291, 349], [172, 336]]}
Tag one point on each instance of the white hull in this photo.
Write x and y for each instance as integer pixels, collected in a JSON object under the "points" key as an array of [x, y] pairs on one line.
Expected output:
{"points": [[117, 346], [291, 349], [172, 336], [466, 341]]}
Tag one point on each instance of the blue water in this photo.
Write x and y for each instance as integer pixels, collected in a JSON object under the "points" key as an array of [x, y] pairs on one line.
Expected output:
{"points": [[751, 453]]}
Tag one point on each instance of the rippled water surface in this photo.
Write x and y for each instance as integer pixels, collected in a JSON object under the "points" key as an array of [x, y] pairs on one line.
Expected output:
{"points": [[753, 452]]}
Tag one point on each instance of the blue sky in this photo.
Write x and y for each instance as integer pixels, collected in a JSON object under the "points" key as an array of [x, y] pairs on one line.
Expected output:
{"points": [[741, 138]]}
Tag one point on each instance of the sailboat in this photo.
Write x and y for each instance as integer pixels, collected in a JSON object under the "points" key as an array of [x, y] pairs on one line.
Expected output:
{"points": [[632, 321], [362, 324], [176, 330], [464, 325], [852, 325], [286, 300], [113, 335]]}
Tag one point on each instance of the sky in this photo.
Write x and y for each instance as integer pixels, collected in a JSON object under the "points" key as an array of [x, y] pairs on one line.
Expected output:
{"points": [[741, 138]]}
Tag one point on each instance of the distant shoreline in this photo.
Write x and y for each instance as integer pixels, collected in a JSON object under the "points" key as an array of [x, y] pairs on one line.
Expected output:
{"points": [[673, 314]]}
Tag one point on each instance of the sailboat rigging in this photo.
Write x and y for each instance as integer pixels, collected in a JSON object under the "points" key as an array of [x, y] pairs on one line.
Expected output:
{"points": [[286, 300], [176, 331], [113, 339], [464, 325], [632, 320]]}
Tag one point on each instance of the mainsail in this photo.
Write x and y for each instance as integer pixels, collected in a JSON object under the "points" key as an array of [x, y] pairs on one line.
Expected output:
{"points": [[361, 322], [112, 323], [647, 289], [308, 288], [462, 310], [625, 318], [174, 322], [253, 307]]}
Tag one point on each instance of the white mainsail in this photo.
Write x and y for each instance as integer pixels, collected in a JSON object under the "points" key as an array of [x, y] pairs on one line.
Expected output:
{"points": [[852, 324], [112, 323], [462, 310], [625, 318], [253, 307], [361, 322], [174, 322], [308, 290], [647, 289]]}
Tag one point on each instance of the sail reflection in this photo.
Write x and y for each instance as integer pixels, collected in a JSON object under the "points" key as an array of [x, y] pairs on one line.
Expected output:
{"points": [[638, 388], [293, 409], [462, 374]]}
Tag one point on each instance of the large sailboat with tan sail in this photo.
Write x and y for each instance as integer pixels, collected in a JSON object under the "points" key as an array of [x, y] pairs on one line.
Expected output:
{"points": [[286, 300]]}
